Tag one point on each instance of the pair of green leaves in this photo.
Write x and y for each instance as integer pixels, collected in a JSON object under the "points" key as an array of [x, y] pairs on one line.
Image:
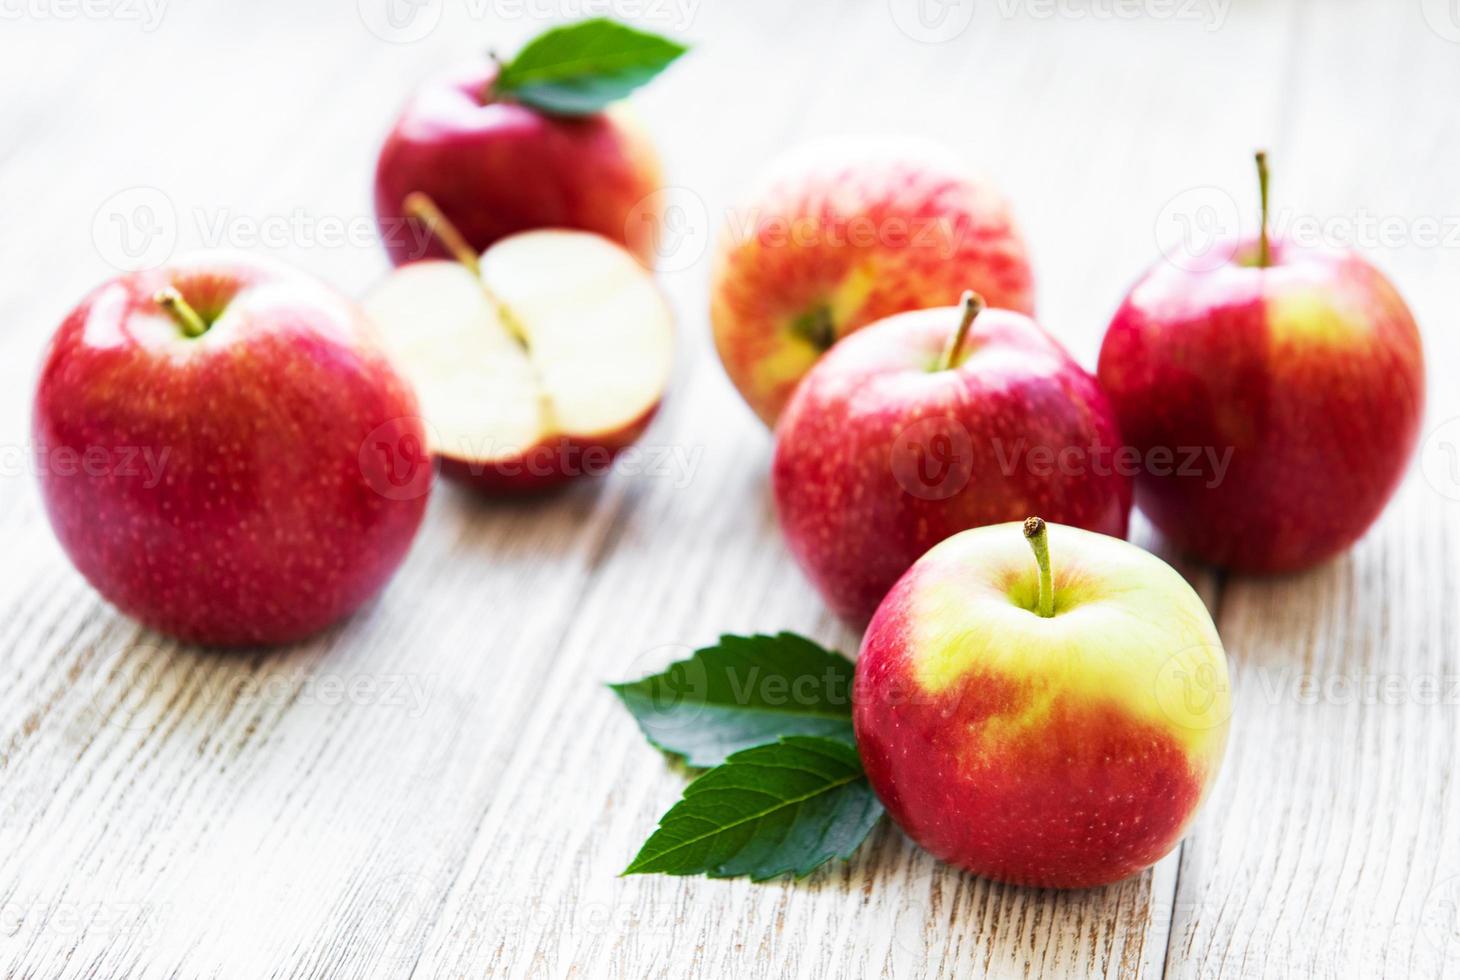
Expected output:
{"points": [[785, 792], [579, 69]]}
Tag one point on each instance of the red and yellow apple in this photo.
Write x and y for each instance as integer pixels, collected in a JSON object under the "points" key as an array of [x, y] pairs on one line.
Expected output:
{"points": [[536, 363], [496, 167], [1052, 720], [1300, 369], [931, 422], [843, 233], [227, 454]]}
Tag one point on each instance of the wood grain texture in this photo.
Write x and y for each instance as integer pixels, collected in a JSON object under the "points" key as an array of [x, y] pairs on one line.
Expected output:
{"points": [[442, 786], [1329, 847]]}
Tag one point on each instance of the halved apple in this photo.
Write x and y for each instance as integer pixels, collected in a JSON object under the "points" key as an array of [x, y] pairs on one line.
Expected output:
{"points": [[538, 368]]}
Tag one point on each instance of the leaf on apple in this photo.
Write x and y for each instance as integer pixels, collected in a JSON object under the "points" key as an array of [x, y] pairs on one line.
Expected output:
{"points": [[579, 69], [785, 808], [744, 691]]}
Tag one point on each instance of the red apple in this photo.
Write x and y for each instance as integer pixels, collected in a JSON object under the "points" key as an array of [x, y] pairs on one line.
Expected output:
{"points": [[1294, 386], [226, 454], [842, 234], [920, 426], [496, 167], [537, 363], [1047, 726]]}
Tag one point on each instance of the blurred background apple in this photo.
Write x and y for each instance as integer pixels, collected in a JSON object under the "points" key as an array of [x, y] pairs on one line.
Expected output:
{"points": [[542, 140], [841, 233]]}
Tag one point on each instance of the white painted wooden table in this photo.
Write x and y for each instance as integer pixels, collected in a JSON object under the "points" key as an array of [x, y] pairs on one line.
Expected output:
{"points": [[442, 787]]}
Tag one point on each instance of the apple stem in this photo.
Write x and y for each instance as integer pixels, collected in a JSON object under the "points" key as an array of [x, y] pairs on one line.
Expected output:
{"points": [[1037, 534], [1264, 245], [973, 305], [424, 210], [181, 311], [489, 90]]}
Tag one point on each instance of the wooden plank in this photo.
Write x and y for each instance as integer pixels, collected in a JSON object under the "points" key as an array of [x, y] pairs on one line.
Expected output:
{"points": [[1329, 848]]}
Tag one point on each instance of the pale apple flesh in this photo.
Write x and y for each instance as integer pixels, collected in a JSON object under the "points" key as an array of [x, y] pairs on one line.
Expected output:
{"points": [[843, 234], [497, 168], [1306, 376], [250, 485], [1070, 751], [542, 368]]}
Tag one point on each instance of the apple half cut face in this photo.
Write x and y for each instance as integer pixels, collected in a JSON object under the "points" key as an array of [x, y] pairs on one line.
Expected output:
{"points": [[539, 370]]}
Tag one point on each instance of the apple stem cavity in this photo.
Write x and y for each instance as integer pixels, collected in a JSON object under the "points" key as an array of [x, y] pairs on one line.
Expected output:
{"points": [[1036, 532], [1264, 244], [973, 305], [420, 207], [182, 312], [816, 328]]}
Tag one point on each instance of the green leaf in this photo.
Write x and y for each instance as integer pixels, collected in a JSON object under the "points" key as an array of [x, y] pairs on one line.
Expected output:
{"points": [[579, 69], [786, 808], [745, 691]]}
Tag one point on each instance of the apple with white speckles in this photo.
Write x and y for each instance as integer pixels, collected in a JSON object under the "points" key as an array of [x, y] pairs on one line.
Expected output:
{"points": [[497, 166], [1300, 368], [1052, 719], [225, 453], [845, 232], [931, 422]]}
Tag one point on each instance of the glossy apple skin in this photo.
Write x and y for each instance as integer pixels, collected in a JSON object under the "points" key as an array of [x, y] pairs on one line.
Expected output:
{"points": [[273, 516], [1310, 370], [1065, 752], [860, 230], [498, 168], [548, 466], [879, 457]]}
